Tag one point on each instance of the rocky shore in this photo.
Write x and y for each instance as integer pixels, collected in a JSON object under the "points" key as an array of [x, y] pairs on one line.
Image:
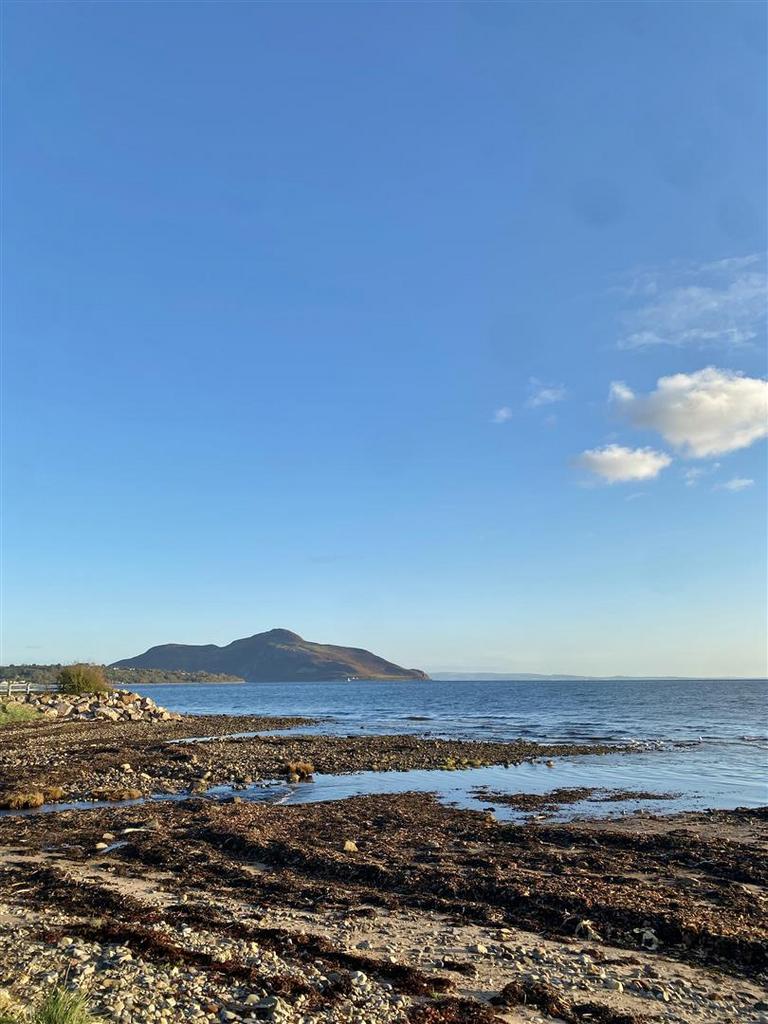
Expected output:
{"points": [[90, 756], [369, 910], [386, 909], [112, 706]]}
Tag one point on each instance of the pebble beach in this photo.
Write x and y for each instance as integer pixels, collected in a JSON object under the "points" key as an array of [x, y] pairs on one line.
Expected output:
{"points": [[212, 907]]}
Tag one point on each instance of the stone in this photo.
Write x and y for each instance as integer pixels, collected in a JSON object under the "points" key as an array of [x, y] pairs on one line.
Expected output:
{"points": [[649, 939], [585, 930], [272, 1007], [350, 846]]}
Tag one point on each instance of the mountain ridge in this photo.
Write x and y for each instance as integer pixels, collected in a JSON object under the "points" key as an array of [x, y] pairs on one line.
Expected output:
{"points": [[277, 655]]}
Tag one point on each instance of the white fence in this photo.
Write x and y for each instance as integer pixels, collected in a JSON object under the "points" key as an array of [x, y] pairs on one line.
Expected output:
{"points": [[10, 686]]}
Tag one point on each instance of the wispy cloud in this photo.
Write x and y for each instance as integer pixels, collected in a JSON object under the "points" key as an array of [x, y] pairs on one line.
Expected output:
{"points": [[719, 303], [702, 414], [694, 474], [503, 414], [738, 483], [616, 464], [542, 393]]}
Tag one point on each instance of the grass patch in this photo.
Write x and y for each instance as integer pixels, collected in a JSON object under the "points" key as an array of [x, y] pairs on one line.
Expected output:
{"points": [[60, 1006], [14, 713], [63, 1007]]}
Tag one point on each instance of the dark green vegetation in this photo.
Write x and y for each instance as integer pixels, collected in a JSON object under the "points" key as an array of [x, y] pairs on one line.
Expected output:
{"points": [[275, 656], [119, 677], [82, 679]]}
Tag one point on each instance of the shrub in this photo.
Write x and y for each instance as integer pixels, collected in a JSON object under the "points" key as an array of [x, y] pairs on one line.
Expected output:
{"points": [[83, 679]]}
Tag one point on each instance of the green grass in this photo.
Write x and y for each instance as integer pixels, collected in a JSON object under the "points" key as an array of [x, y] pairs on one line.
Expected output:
{"points": [[63, 1007], [13, 713], [59, 1007]]}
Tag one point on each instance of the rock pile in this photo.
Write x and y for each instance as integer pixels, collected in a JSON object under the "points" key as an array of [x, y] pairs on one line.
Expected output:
{"points": [[114, 706]]}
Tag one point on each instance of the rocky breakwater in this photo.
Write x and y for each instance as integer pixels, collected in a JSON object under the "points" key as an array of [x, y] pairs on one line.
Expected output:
{"points": [[113, 706], [26, 785]]}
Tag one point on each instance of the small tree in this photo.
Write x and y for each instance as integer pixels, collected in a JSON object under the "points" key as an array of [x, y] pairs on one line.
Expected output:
{"points": [[83, 679]]}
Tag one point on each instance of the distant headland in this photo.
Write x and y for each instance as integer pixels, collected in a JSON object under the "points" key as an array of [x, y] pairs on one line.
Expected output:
{"points": [[275, 656]]}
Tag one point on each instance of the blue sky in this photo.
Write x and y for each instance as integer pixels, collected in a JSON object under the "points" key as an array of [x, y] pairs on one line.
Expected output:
{"points": [[312, 314]]}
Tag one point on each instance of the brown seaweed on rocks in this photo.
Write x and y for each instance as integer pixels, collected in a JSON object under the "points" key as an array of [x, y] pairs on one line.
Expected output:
{"points": [[675, 889], [88, 756], [123, 920], [544, 997], [452, 1011]]}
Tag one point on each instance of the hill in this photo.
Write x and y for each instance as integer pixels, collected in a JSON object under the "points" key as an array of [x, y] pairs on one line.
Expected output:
{"points": [[275, 656]]}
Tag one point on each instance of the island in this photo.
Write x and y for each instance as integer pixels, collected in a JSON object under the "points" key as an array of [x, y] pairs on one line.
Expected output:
{"points": [[276, 656]]}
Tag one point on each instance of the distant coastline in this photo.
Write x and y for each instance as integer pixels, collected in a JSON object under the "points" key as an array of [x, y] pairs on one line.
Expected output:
{"points": [[46, 675], [532, 677]]}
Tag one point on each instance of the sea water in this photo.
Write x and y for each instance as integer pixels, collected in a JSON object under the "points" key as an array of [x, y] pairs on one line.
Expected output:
{"points": [[704, 740]]}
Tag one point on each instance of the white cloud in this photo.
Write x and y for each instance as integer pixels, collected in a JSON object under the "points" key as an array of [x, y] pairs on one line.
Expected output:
{"points": [[701, 414], [502, 415], [617, 464], [738, 483], [544, 394], [720, 303]]}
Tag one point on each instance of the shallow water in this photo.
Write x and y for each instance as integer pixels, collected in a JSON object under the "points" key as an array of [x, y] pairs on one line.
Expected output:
{"points": [[704, 739], [695, 784]]}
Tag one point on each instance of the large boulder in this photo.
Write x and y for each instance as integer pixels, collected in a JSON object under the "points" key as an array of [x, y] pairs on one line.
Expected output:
{"points": [[114, 706]]}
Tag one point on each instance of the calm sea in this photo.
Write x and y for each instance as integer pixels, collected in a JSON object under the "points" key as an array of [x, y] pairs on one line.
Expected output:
{"points": [[706, 740]]}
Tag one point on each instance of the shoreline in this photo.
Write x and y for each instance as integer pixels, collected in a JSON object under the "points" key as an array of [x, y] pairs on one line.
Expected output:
{"points": [[388, 909], [94, 760]]}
